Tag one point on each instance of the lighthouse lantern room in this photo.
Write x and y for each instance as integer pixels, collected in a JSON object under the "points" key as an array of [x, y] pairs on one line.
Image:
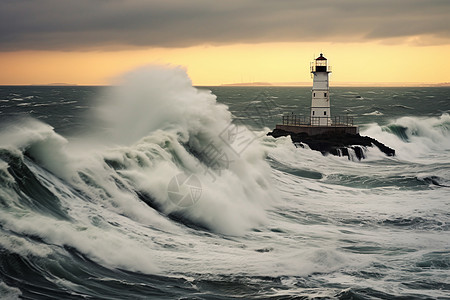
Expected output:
{"points": [[320, 103]]}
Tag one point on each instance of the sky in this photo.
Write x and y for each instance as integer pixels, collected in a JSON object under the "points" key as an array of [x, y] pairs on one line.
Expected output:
{"points": [[220, 42]]}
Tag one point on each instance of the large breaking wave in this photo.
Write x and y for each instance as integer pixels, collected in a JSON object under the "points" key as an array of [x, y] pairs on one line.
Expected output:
{"points": [[105, 194], [414, 138]]}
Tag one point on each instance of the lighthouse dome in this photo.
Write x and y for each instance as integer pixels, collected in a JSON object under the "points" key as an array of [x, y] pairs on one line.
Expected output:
{"points": [[321, 57]]}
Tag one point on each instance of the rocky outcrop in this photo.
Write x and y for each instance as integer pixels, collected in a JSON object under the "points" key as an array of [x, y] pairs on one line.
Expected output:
{"points": [[335, 143]]}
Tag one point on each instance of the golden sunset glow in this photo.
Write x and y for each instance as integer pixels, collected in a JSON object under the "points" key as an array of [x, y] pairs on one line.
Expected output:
{"points": [[207, 65]]}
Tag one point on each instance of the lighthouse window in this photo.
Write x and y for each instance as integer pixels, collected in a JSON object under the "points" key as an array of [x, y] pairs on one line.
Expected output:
{"points": [[313, 113], [314, 94], [324, 113], [324, 94]]}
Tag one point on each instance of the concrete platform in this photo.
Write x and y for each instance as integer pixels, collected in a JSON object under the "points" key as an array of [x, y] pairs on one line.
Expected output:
{"points": [[316, 130]]}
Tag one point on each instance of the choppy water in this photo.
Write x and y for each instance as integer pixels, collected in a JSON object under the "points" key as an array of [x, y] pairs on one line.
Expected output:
{"points": [[156, 189]]}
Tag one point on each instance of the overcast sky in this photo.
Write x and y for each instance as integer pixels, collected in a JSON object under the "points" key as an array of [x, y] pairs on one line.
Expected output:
{"points": [[109, 24]]}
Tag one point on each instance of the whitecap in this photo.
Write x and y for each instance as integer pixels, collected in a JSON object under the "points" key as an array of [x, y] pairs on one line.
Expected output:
{"points": [[374, 113]]}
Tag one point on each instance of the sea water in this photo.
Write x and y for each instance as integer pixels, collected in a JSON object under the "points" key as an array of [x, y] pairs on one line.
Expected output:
{"points": [[153, 188]]}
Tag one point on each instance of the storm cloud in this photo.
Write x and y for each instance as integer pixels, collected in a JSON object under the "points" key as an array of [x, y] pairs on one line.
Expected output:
{"points": [[109, 24]]}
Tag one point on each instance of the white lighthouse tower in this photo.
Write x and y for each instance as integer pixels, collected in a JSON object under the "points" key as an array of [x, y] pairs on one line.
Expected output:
{"points": [[320, 103], [319, 122]]}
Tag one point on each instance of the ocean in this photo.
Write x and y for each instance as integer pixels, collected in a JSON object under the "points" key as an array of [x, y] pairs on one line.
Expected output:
{"points": [[154, 189]]}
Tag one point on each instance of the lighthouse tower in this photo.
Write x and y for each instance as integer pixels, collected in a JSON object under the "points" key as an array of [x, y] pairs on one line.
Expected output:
{"points": [[320, 103], [319, 122]]}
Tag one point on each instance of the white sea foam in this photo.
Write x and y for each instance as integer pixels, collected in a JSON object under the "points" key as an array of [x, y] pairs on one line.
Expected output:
{"points": [[9, 293], [165, 119], [160, 126], [374, 113], [22, 246], [104, 245], [424, 136]]}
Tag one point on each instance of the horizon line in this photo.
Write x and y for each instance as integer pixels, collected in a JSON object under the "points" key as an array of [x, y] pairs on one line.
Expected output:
{"points": [[271, 84]]}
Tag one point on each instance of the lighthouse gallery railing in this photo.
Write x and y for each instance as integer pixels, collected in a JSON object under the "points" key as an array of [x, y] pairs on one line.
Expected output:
{"points": [[297, 120]]}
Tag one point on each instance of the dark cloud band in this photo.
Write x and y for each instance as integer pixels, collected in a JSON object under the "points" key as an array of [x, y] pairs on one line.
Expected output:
{"points": [[106, 24]]}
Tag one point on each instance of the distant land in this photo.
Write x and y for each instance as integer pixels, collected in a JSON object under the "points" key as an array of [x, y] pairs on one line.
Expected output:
{"points": [[343, 84], [58, 84]]}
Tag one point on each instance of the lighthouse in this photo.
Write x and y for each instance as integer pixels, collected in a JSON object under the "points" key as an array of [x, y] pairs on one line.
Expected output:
{"points": [[319, 121], [338, 137], [320, 103]]}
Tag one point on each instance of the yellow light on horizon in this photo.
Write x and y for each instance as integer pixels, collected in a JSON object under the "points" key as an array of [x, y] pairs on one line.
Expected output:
{"points": [[215, 65]]}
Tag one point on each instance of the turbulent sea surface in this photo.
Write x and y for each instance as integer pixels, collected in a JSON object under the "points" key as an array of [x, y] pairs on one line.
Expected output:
{"points": [[156, 189]]}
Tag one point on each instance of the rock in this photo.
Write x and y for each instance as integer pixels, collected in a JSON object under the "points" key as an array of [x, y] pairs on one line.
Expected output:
{"points": [[335, 143]]}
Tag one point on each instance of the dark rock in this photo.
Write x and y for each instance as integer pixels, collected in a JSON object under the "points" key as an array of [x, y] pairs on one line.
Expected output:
{"points": [[359, 152], [335, 143]]}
